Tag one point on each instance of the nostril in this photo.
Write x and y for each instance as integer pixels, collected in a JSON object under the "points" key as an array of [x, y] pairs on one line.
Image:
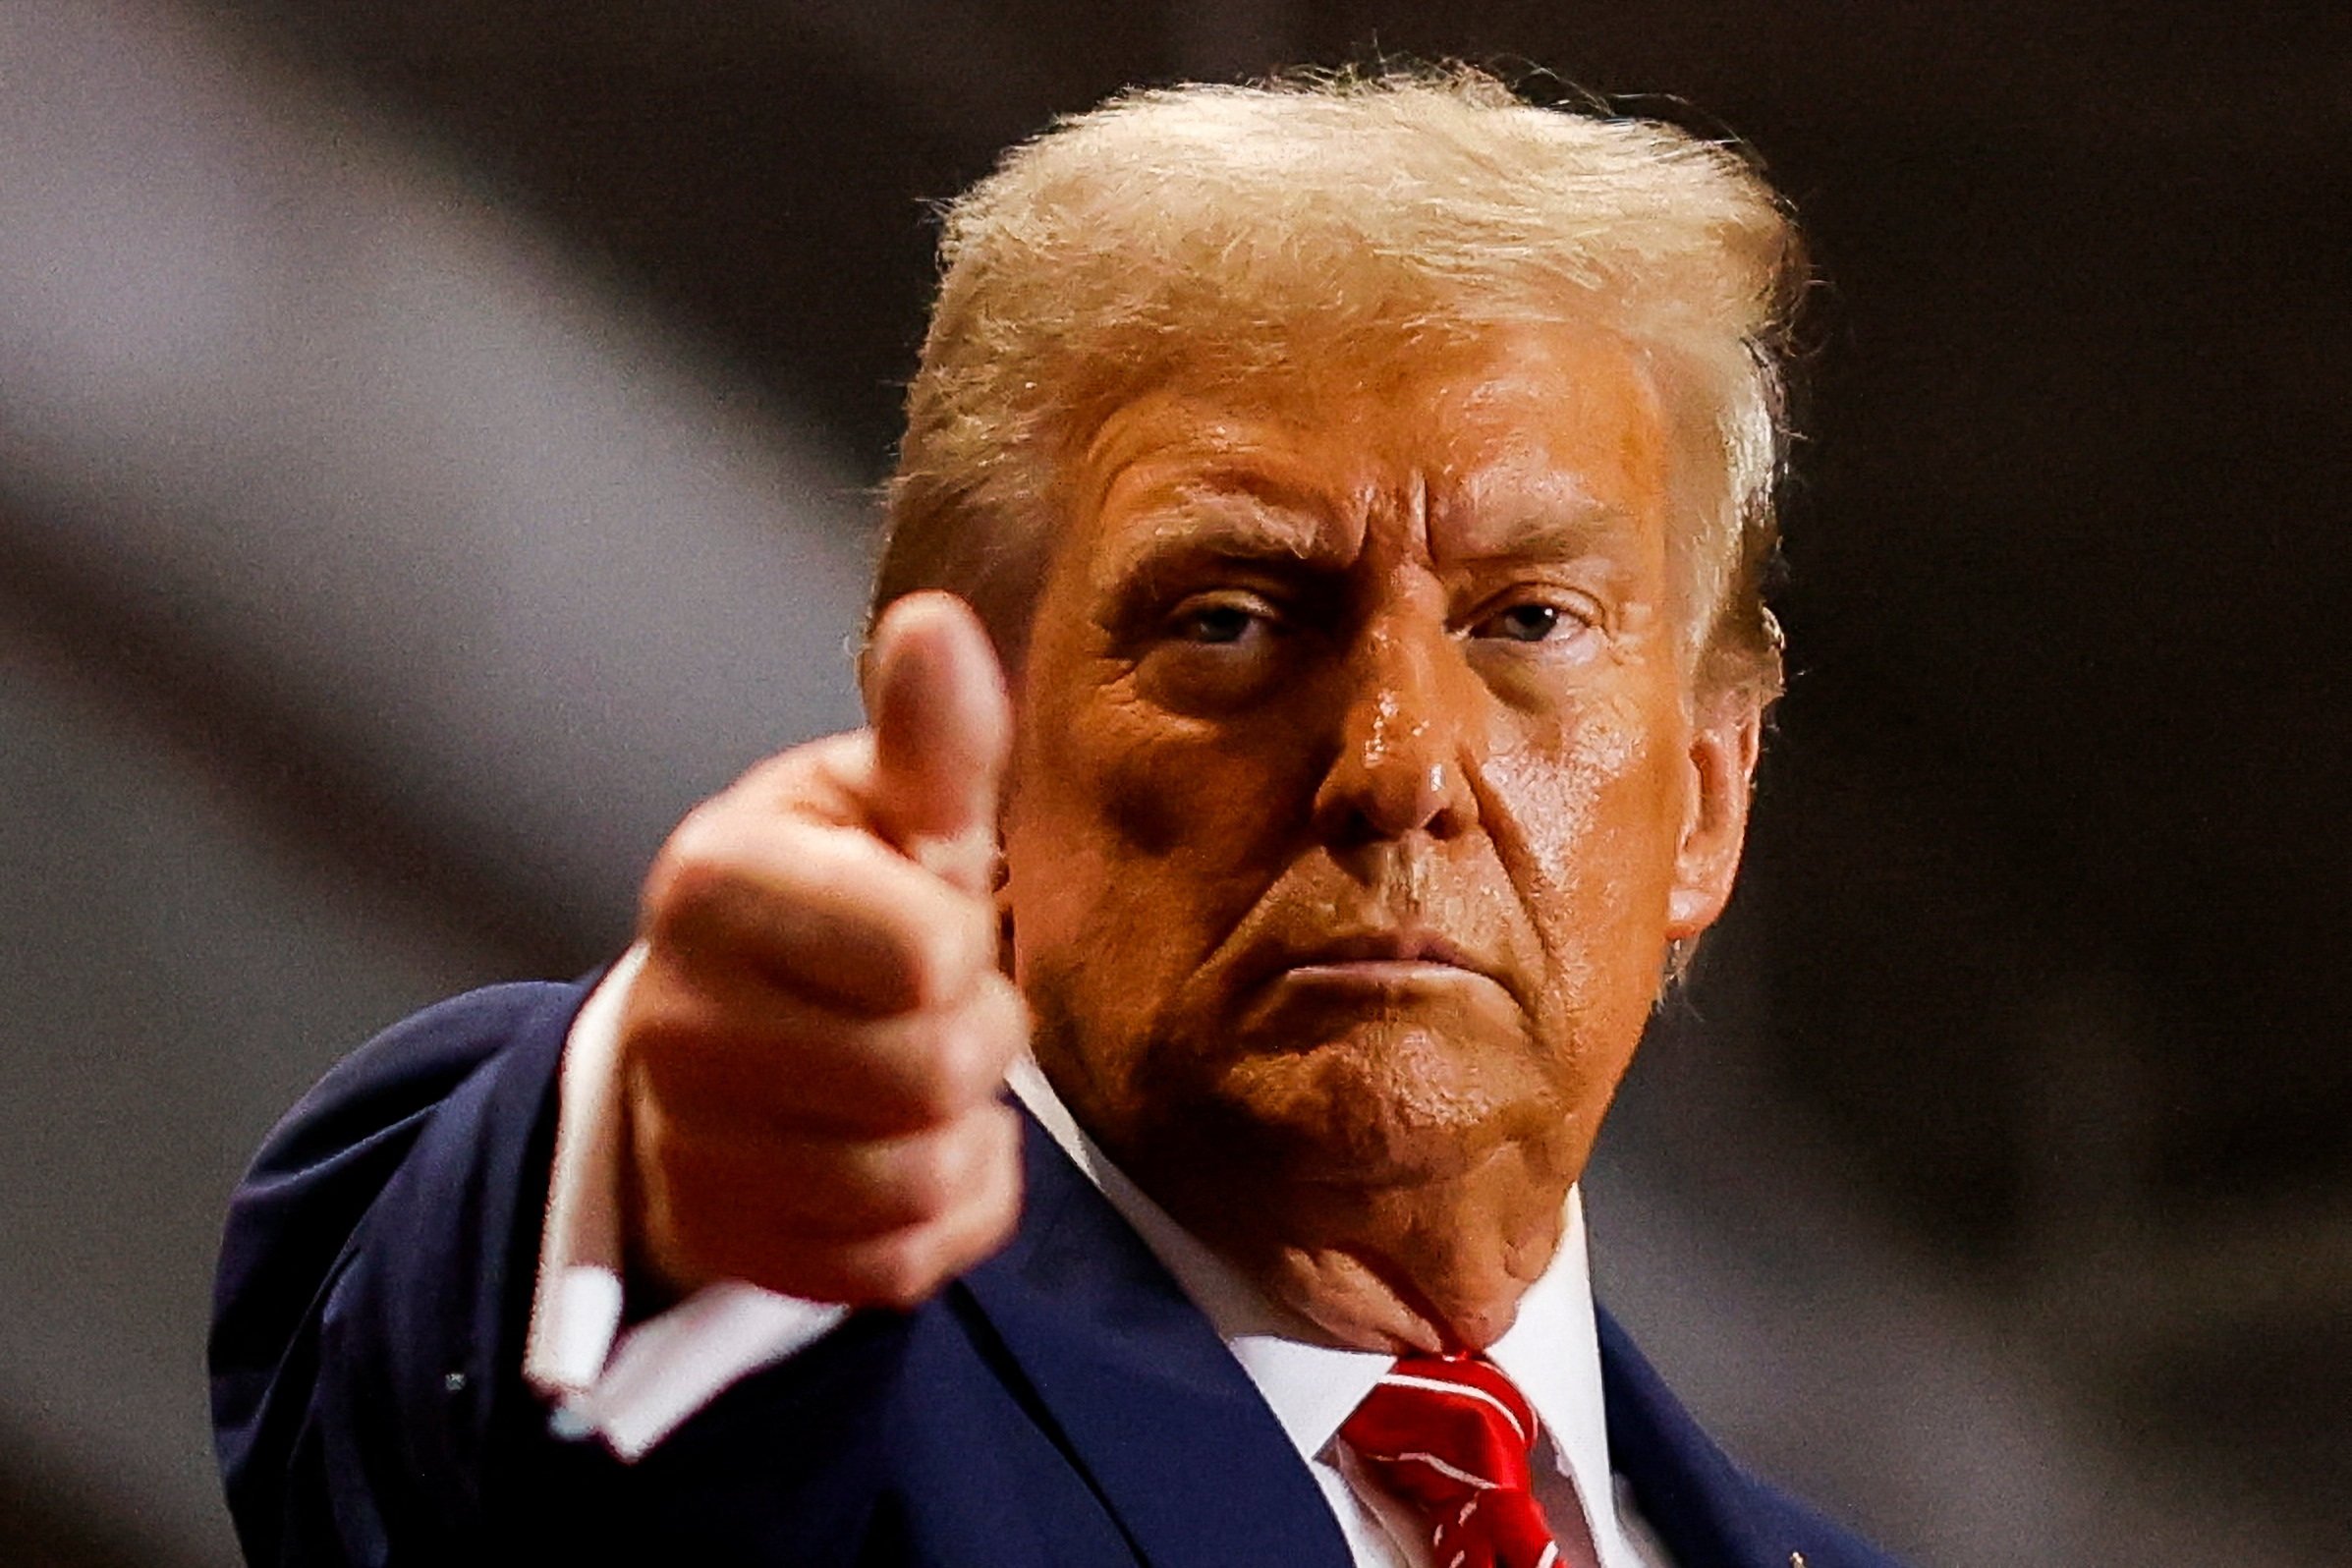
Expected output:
{"points": [[1374, 794], [1398, 767]]}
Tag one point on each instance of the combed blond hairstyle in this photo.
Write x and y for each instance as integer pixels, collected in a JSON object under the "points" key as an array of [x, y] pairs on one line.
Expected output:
{"points": [[1210, 235]]}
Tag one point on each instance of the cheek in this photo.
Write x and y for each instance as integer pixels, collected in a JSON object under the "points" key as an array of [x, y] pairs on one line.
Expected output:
{"points": [[1590, 811], [1140, 832], [1190, 798], [1168, 789]]}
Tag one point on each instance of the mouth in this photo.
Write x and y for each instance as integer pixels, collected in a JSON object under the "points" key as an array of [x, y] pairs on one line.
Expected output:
{"points": [[1308, 984], [1386, 960]]}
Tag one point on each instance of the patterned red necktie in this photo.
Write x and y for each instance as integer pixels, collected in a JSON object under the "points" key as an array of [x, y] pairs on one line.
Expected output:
{"points": [[1450, 1436]]}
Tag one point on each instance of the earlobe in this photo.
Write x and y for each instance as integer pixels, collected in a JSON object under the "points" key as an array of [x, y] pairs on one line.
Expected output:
{"points": [[1725, 736]]}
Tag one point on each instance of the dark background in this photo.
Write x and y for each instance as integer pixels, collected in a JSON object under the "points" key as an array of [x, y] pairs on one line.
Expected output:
{"points": [[2043, 928]]}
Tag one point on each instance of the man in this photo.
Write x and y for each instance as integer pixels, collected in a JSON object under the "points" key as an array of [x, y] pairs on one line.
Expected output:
{"points": [[1349, 499]]}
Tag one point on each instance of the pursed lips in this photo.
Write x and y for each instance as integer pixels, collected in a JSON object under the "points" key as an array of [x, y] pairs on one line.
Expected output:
{"points": [[1387, 947], [1298, 961], [1376, 957]]}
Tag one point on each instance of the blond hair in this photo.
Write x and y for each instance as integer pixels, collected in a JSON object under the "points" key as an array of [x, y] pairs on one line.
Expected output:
{"points": [[1219, 233]]}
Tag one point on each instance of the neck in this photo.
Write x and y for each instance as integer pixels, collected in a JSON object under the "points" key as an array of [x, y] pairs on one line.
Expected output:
{"points": [[1428, 1266]]}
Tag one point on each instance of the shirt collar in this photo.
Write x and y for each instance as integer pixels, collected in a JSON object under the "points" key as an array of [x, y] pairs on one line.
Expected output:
{"points": [[1552, 1350]]}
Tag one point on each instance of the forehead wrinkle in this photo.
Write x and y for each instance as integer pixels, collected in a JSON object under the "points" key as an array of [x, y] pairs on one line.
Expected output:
{"points": [[1538, 512], [1222, 517]]}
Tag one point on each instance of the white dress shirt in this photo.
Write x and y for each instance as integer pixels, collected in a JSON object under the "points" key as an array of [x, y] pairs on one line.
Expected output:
{"points": [[633, 1388]]}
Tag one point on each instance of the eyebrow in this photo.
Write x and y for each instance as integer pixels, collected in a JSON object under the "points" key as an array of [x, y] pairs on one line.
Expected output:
{"points": [[1553, 516], [1246, 516], [1546, 534], [1227, 516]]}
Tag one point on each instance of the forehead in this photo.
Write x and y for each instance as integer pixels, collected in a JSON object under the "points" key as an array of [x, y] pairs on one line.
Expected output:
{"points": [[1520, 440]]}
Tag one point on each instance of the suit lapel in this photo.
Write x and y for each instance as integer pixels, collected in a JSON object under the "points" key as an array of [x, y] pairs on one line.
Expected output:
{"points": [[1148, 1403], [1697, 1501]]}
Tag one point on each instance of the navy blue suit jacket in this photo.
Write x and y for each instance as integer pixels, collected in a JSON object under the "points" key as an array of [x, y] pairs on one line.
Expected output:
{"points": [[1064, 1403]]}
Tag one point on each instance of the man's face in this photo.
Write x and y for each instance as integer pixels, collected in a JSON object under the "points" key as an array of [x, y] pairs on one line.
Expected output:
{"points": [[1358, 790]]}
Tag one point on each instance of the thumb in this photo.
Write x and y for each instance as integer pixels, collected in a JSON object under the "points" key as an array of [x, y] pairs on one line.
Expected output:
{"points": [[942, 728]]}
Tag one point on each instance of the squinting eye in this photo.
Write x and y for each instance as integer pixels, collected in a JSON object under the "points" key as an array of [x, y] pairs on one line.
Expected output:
{"points": [[1213, 623], [1524, 623]]}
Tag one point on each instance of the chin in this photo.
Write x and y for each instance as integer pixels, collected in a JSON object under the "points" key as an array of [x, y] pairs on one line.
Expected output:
{"points": [[1384, 1104]]}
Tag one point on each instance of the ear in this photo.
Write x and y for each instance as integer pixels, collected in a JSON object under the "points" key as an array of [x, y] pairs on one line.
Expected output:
{"points": [[1725, 734]]}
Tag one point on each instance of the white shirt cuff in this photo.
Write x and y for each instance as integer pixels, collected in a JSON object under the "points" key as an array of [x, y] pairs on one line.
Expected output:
{"points": [[631, 1389]]}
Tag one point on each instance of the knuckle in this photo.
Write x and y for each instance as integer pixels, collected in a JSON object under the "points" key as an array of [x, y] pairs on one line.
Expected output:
{"points": [[931, 1176], [1002, 1219], [661, 1020], [961, 1072], [879, 1186], [960, 1059], [944, 951], [781, 773], [649, 1117], [1003, 1187], [988, 1227], [676, 1053], [1006, 1123], [899, 1269], [692, 876], [1004, 1029], [668, 1097], [937, 1088]]}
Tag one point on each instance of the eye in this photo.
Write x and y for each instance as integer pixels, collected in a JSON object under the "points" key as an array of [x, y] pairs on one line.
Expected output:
{"points": [[1213, 652], [1522, 623], [1218, 622]]}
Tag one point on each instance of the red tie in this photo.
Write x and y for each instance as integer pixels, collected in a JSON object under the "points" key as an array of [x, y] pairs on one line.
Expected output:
{"points": [[1450, 1436]]}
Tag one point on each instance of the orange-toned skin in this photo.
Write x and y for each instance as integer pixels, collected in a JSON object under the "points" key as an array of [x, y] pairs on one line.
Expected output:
{"points": [[814, 1052], [1356, 794]]}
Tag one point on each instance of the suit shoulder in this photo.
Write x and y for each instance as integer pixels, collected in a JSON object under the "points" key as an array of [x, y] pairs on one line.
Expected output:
{"points": [[1702, 1504], [1816, 1539], [328, 1158], [409, 1068], [379, 1241]]}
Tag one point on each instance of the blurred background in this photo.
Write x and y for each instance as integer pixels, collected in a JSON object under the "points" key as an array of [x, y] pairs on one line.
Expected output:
{"points": [[435, 448]]}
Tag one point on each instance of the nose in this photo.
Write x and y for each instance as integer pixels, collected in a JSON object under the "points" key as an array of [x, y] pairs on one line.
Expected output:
{"points": [[1404, 724]]}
